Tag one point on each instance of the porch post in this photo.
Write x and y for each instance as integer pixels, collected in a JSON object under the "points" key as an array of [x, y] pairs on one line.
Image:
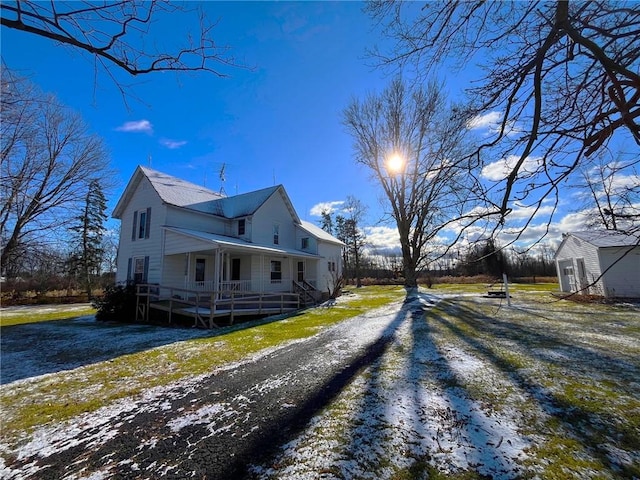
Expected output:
{"points": [[216, 273], [186, 274], [262, 273]]}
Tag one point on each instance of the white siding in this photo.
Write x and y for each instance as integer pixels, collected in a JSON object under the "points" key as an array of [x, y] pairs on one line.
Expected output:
{"points": [[143, 198], [274, 212], [191, 220], [623, 278], [330, 252], [178, 243], [174, 269], [261, 273], [312, 241]]}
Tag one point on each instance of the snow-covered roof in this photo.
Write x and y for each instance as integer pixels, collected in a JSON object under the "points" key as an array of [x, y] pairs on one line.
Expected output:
{"points": [[607, 238], [245, 203], [172, 191], [180, 193], [319, 233]]}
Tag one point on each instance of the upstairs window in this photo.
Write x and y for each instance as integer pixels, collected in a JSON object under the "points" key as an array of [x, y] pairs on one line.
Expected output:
{"points": [[276, 271], [305, 243], [331, 266], [142, 229], [276, 234], [241, 226], [141, 224]]}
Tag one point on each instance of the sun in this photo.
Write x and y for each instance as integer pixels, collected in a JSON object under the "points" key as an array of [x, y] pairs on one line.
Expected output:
{"points": [[395, 163]]}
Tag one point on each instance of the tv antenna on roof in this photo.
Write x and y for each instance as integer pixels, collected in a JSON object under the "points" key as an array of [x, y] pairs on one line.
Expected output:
{"points": [[222, 179]]}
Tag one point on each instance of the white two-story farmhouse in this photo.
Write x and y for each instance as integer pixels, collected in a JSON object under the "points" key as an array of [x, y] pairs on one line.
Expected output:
{"points": [[182, 236]]}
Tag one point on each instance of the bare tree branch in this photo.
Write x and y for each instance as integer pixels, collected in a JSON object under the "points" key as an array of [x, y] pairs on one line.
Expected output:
{"points": [[116, 33], [563, 76]]}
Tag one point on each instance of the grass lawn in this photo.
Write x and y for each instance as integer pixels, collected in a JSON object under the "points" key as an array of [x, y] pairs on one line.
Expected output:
{"points": [[551, 384], [42, 313], [474, 389], [45, 399]]}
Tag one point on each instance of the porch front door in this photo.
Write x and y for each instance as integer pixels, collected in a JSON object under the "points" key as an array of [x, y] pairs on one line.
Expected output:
{"points": [[300, 271], [235, 269], [200, 269]]}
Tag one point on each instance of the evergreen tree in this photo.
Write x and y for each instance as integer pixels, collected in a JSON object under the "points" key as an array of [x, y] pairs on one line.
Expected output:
{"points": [[86, 261], [327, 222]]}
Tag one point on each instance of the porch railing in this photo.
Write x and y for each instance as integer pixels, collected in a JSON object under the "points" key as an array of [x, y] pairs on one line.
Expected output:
{"points": [[204, 306], [228, 286]]}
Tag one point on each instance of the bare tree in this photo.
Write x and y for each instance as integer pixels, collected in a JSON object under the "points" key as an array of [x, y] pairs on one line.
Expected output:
{"points": [[612, 200], [561, 79], [348, 230], [49, 158], [412, 145], [118, 34]]}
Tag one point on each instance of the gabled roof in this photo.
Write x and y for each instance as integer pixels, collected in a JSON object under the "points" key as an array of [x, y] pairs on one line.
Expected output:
{"points": [[607, 238], [172, 191], [180, 193], [319, 233], [246, 204]]}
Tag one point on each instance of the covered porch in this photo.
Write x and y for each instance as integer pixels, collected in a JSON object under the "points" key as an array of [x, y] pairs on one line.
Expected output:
{"points": [[209, 276], [209, 262]]}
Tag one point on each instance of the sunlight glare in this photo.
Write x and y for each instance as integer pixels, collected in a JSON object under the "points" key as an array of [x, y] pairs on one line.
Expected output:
{"points": [[395, 163]]}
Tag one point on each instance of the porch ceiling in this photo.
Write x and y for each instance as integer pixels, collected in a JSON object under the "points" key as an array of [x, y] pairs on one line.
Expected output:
{"points": [[208, 241]]}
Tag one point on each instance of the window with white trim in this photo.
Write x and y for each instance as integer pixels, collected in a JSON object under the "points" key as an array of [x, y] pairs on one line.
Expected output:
{"points": [[241, 226], [142, 224], [276, 271], [305, 243], [138, 270]]}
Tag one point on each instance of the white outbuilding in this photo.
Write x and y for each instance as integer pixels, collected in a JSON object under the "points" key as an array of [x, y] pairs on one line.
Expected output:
{"points": [[599, 262]]}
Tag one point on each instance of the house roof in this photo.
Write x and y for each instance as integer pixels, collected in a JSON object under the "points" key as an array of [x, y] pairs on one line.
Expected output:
{"points": [[217, 240], [607, 238], [246, 204], [171, 190], [319, 233], [180, 193]]}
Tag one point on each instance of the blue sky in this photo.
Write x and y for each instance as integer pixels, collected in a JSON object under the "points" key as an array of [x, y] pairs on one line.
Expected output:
{"points": [[277, 121]]}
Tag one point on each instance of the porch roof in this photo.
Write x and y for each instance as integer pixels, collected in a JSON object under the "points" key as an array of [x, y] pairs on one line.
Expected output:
{"points": [[214, 241]]}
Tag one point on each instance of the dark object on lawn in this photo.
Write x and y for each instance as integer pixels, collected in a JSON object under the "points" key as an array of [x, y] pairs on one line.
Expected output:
{"points": [[118, 304]]}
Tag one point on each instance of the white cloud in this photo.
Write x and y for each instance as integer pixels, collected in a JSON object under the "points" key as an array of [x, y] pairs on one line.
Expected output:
{"points": [[172, 144], [330, 207], [383, 240], [520, 212], [489, 120], [136, 126], [499, 170]]}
